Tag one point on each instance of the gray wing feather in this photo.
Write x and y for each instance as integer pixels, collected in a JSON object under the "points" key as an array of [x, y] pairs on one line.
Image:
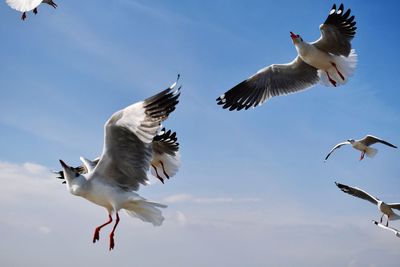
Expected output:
{"points": [[370, 139], [354, 191], [128, 140], [337, 32], [271, 81], [336, 147], [394, 205]]}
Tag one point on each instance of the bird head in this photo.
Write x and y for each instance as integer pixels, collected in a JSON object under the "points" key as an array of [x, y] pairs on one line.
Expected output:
{"points": [[73, 178], [296, 38], [351, 141]]}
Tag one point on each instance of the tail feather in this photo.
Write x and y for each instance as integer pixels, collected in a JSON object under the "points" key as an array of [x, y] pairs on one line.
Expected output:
{"points": [[346, 66], [146, 211], [371, 152]]}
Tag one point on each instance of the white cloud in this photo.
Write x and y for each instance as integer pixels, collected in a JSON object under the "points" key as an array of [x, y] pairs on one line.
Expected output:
{"points": [[184, 197]]}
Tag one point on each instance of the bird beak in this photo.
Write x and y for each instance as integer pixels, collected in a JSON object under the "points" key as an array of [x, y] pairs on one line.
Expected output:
{"points": [[293, 36]]}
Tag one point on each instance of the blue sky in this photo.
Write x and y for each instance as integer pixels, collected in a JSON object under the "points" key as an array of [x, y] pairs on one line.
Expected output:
{"points": [[253, 189]]}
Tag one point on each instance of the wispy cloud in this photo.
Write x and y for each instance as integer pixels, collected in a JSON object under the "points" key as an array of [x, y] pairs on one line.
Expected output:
{"points": [[184, 197]]}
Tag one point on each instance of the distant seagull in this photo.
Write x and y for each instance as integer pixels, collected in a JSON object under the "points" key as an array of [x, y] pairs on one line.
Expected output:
{"points": [[395, 231], [128, 154], [330, 60], [28, 5], [362, 145], [385, 208]]}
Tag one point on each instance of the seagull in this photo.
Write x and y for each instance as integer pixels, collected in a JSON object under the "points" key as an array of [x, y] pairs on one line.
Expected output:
{"points": [[330, 60], [129, 150], [362, 145], [28, 5], [395, 231], [385, 208]]}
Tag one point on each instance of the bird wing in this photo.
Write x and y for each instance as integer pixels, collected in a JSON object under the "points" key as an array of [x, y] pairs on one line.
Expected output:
{"points": [[370, 139], [395, 231], [165, 143], [394, 205], [23, 5], [128, 136], [336, 147], [336, 32], [354, 191], [273, 80]]}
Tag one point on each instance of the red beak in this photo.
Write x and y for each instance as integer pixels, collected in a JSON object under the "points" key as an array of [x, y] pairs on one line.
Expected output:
{"points": [[292, 35]]}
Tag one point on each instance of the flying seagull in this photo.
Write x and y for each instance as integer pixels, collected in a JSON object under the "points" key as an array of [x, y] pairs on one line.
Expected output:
{"points": [[330, 60], [385, 208], [128, 153], [28, 5], [362, 145], [395, 231]]}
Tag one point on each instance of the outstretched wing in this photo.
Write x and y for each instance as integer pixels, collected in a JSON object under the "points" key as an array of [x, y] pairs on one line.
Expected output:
{"points": [[354, 191], [394, 205], [271, 81], [336, 147], [128, 140], [395, 231], [370, 139], [337, 32], [23, 5]]}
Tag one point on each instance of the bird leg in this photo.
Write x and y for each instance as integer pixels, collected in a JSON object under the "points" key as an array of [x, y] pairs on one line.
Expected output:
{"points": [[330, 79], [112, 233], [382, 217], [96, 235], [158, 176], [23, 17], [340, 74], [362, 155], [35, 11], [165, 173]]}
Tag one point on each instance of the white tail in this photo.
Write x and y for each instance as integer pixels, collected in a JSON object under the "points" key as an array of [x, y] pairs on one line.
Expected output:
{"points": [[146, 211], [346, 66], [164, 165], [371, 152]]}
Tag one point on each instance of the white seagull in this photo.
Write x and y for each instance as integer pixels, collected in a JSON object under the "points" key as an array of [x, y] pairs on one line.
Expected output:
{"points": [[385, 208], [362, 145], [131, 146], [28, 5], [330, 60], [395, 231]]}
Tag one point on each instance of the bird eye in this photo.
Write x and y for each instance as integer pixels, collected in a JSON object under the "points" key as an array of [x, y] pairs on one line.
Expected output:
{"points": [[298, 36], [76, 174]]}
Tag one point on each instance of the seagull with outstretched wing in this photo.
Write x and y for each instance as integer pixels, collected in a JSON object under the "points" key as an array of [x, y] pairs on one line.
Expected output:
{"points": [[132, 145], [362, 145], [28, 5], [385, 208], [330, 60]]}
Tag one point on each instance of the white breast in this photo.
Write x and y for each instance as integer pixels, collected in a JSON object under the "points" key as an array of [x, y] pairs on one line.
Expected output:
{"points": [[314, 57]]}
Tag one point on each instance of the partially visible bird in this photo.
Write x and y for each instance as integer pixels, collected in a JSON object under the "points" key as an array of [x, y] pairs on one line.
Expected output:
{"points": [[385, 208], [362, 145], [28, 5], [131, 147], [330, 60]]}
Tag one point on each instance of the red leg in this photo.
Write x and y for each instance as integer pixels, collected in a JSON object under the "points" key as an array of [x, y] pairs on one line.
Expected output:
{"points": [[340, 74], [23, 17], [362, 155], [112, 233], [330, 79], [96, 235]]}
